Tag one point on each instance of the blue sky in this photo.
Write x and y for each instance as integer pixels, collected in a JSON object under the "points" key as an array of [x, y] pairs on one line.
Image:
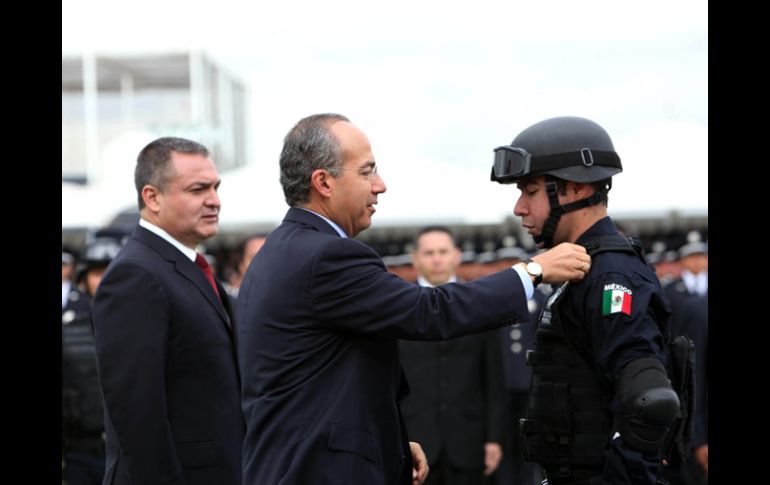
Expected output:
{"points": [[438, 84]]}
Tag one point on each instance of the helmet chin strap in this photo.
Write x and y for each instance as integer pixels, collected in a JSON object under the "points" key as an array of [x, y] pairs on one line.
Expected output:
{"points": [[549, 228]]}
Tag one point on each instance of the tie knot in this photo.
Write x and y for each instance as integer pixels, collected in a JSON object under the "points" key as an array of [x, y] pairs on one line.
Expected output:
{"points": [[200, 260]]}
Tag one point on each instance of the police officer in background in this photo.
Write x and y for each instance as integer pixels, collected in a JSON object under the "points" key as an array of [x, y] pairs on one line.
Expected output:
{"points": [[72, 300], [67, 267], [688, 297], [693, 280], [600, 401], [455, 407], [82, 415]]}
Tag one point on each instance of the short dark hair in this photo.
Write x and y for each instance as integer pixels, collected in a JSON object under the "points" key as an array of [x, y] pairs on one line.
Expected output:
{"points": [[152, 164], [308, 146], [428, 229]]}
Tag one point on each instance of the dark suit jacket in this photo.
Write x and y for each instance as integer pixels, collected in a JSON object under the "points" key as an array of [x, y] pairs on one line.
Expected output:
{"points": [[319, 318], [457, 398], [168, 370]]}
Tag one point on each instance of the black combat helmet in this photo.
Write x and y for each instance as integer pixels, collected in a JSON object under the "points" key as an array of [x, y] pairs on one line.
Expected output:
{"points": [[566, 148]]}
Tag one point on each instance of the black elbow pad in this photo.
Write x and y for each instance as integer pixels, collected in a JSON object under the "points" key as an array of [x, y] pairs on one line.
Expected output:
{"points": [[648, 405]]}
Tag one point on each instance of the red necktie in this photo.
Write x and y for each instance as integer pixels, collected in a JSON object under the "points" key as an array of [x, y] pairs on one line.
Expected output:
{"points": [[204, 265]]}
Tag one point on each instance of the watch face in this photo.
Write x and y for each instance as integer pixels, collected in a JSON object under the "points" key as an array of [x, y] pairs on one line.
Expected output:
{"points": [[534, 268]]}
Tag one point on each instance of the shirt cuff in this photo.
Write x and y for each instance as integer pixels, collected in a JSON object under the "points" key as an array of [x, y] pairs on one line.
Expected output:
{"points": [[526, 281]]}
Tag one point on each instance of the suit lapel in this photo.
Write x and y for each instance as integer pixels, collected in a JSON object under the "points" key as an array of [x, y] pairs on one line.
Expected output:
{"points": [[187, 269]]}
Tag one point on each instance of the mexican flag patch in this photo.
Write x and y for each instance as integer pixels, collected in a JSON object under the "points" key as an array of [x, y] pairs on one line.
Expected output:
{"points": [[616, 299]]}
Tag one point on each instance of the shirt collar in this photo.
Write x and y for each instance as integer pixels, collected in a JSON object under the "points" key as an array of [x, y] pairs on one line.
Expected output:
{"points": [[331, 222], [423, 282], [695, 283], [190, 253]]}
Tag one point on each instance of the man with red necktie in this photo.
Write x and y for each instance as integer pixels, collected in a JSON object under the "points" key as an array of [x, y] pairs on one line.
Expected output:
{"points": [[164, 337]]}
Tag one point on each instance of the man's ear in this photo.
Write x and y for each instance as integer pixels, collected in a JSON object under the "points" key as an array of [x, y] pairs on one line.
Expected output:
{"points": [[577, 190], [150, 196], [322, 181]]}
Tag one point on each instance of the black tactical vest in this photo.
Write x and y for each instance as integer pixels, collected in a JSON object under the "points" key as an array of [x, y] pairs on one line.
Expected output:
{"points": [[568, 415]]}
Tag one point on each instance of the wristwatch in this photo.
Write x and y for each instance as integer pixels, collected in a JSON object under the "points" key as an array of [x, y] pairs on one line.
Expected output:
{"points": [[534, 269]]}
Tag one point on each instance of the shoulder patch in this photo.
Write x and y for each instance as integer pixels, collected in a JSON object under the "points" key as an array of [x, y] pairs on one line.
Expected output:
{"points": [[616, 299]]}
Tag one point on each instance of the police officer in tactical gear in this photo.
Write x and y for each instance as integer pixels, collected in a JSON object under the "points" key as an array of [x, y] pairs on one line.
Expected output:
{"points": [[601, 402], [82, 414]]}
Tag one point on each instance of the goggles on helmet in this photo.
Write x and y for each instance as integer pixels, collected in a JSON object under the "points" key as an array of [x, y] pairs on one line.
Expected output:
{"points": [[513, 163], [510, 162]]}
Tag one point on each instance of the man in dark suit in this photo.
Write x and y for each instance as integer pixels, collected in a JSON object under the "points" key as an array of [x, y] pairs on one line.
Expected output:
{"points": [[319, 318], [164, 334], [457, 405]]}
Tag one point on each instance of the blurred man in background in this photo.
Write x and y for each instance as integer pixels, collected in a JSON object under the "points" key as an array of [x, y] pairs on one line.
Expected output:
{"points": [[249, 248], [455, 409], [67, 268]]}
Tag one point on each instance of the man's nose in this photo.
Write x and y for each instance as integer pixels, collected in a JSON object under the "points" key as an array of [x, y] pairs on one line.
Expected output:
{"points": [[378, 185], [213, 199], [518, 208]]}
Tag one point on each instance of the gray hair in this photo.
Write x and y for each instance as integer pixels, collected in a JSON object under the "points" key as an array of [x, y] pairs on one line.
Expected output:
{"points": [[152, 164], [310, 145]]}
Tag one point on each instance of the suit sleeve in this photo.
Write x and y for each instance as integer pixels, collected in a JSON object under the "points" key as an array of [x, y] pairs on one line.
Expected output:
{"points": [[495, 393], [352, 289], [131, 325]]}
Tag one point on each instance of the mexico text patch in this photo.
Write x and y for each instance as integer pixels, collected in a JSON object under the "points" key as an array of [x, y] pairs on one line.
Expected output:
{"points": [[616, 299]]}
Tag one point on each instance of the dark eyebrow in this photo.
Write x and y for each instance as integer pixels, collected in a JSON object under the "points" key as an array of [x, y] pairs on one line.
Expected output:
{"points": [[369, 164], [204, 184]]}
